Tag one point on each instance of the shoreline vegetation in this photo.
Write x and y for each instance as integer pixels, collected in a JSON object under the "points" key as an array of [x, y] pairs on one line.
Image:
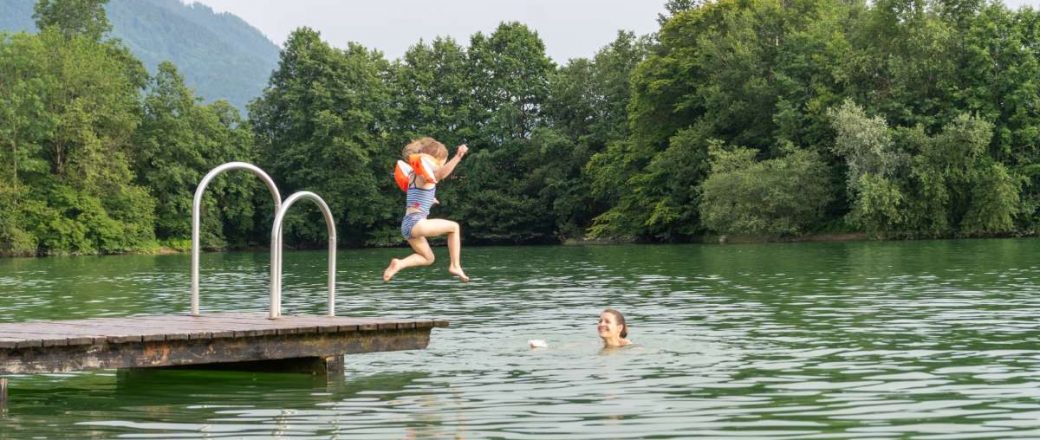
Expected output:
{"points": [[737, 121], [709, 240]]}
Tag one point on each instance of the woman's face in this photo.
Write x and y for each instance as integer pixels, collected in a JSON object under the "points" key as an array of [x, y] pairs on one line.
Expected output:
{"points": [[608, 326]]}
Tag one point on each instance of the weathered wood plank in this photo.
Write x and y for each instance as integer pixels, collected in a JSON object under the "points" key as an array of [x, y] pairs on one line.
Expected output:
{"points": [[196, 352], [121, 330], [166, 340]]}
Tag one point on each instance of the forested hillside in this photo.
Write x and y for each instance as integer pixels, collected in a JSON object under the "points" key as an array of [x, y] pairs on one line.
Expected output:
{"points": [[16, 15], [221, 56], [897, 118]]}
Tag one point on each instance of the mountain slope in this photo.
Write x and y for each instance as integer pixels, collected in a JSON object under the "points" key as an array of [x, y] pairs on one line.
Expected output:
{"points": [[16, 16], [220, 55]]}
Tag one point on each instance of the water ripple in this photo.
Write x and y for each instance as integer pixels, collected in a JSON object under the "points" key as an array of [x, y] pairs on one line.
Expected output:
{"points": [[933, 340]]}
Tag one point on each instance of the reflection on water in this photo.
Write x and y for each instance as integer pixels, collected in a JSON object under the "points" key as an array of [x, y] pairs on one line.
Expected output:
{"points": [[930, 339]]}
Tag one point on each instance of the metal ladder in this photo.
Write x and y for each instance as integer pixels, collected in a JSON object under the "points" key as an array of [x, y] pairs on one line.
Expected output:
{"points": [[280, 208]]}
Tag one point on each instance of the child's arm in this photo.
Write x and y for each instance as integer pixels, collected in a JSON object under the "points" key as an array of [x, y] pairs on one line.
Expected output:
{"points": [[449, 166]]}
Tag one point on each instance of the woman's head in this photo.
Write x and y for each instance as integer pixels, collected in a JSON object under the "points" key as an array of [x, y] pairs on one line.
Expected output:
{"points": [[612, 324], [426, 145]]}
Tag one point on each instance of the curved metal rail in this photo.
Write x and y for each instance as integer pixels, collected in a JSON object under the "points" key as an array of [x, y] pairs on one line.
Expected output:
{"points": [[276, 252], [196, 209]]}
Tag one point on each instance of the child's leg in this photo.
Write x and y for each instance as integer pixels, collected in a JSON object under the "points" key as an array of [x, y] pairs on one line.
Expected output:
{"points": [[436, 227], [423, 256]]}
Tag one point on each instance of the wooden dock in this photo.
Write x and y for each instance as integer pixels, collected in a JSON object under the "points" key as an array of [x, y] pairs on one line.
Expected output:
{"points": [[228, 339], [250, 341]]}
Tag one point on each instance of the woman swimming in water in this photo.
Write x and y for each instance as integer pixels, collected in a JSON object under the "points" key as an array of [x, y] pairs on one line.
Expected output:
{"points": [[612, 329]]}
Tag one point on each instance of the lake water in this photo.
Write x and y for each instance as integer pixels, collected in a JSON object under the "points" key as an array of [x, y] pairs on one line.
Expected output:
{"points": [[924, 339]]}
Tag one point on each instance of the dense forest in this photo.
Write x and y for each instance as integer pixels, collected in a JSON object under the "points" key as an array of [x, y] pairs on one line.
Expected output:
{"points": [[897, 118], [219, 55]]}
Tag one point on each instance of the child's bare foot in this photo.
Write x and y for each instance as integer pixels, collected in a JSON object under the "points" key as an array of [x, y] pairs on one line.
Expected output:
{"points": [[391, 270], [457, 271]]}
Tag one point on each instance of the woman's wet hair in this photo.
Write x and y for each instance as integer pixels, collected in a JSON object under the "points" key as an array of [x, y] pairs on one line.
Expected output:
{"points": [[620, 319]]}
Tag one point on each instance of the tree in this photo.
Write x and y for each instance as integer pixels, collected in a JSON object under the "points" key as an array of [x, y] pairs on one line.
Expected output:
{"points": [[673, 7], [321, 126], [71, 146], [433, 93], [510, 75], [587, 104], [497, 189], [84, 18], [875, 168], [23, 120], [778, 197], [179, 140], [754, 73], [904, 182]]}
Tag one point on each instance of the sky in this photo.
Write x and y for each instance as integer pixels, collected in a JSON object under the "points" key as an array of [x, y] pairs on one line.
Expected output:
{"points": [[569, 28]]}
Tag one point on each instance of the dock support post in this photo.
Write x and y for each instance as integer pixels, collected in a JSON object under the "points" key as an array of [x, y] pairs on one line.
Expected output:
{"points": [[3, 391], [334, 366]]}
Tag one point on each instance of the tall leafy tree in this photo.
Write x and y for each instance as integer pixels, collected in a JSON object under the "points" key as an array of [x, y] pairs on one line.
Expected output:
{"points": [[432, 92], [753, 73], [904, 182], [24, 123], [85, 18], [75, 151], [782, 196], [509, 73], [588, 106], [178, 141], [321, 126]]}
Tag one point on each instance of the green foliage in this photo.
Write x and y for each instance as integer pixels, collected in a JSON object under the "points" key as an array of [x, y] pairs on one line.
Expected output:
{"points": [[430, 83], [497, 194], [995, 202], [775, 197], [865, 143], [179, 140], [588, 103], [676, 6], [319, 128], [753, 73], [14, 239], [510, 77], [879, 206], [932, 186], [74, 221], [73, 108], [84, 18]]}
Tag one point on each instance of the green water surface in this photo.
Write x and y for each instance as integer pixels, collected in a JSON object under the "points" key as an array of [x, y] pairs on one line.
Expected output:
{"points": [[926, 339]]}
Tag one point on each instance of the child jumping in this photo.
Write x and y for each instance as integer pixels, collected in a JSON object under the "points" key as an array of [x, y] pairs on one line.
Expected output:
{"points": [[416, 227]]}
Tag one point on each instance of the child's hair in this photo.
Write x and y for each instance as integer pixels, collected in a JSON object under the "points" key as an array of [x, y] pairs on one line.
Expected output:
{"points": [[426, 145]]}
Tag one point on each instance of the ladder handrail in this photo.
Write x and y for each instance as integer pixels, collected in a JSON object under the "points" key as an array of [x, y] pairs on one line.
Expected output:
{"points": [[276, 252], [196, 215]]}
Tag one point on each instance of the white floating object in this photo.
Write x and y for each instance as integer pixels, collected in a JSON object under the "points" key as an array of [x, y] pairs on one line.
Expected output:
{"points": [[537, 343]]}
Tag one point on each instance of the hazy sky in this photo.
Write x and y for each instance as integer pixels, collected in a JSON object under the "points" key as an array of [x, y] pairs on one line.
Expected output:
{"points": [[569, 28]]}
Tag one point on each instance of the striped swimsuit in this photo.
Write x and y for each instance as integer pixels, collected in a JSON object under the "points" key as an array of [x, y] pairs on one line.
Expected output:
{"points": [[417, 198]]}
